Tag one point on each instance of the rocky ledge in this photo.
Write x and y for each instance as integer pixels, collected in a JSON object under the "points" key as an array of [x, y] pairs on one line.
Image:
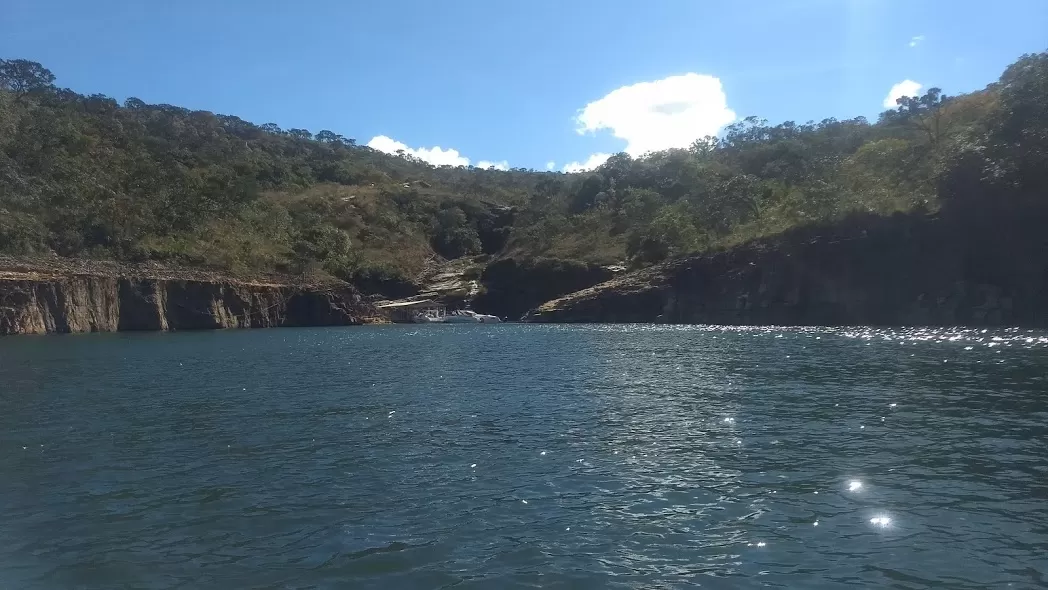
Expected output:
{"points": [[906, 270], [69, 297]]}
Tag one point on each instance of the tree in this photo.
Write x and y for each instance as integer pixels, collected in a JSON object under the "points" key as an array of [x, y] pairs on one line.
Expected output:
{"points": [[670, 233], [586, 194], [1009, 162], [23, 76], [886, 175], [925, 113], [1023, 120], [454, 236], [704, 147], [325, 136], [639, 205], [616, 169]]}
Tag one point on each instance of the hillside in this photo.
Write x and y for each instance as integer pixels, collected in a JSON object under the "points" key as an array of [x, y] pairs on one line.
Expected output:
{"points": [[87, 177]]}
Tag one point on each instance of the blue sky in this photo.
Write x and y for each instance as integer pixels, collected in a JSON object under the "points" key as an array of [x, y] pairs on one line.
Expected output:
{"points": [[515, 82]]}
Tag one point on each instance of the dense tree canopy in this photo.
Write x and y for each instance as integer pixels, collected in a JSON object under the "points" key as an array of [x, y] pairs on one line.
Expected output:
{"points": [[87, 176]]}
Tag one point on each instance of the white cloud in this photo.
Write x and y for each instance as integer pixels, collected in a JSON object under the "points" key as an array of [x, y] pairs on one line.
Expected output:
{"points": [[668, 113], [916, 40], [551, 165], [904, 88], [591, 162], [434, 155]]}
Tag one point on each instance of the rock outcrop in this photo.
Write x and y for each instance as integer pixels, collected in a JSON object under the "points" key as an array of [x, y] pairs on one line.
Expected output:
{"points": [[513, 286], [40, 303], [906, 270]]}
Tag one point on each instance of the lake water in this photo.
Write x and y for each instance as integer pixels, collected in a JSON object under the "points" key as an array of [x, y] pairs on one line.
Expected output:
{"points": [[525, 456]]}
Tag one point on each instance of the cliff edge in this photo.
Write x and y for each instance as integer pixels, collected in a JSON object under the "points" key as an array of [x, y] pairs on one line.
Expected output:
{"points": [[62, 296]]}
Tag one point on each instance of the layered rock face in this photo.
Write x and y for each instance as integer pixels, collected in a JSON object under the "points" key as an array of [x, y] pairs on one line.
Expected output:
{"points": [[902, 271], [61, 304], [514, 286]]}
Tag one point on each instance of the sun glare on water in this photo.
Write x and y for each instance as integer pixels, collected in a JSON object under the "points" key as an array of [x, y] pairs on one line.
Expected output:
{"points": [[881, 521]]}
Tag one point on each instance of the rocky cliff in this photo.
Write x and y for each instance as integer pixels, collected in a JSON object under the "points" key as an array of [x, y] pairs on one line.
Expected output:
{"points": [[513, 286], [33, 302], [506, 287], [907, 270]]}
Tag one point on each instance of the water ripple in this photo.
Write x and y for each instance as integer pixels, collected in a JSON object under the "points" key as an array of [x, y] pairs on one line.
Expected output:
{"points": [[526, 456]]}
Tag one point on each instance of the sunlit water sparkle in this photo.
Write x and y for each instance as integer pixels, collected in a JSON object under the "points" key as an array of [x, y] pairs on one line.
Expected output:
{"points": [[526, 456]]}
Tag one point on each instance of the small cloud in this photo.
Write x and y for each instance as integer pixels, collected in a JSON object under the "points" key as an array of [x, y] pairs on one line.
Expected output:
{"points": [[594, 161], [904, 88], [551, 165], [668, 113], [916, 40], [436, 156]]}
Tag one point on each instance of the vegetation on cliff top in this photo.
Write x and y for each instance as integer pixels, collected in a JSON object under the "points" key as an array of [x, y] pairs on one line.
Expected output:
{"points": [[85, 176]]}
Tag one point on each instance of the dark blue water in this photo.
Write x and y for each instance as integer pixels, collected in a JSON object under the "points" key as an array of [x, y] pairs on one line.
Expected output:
{"points": [[525, 457]]}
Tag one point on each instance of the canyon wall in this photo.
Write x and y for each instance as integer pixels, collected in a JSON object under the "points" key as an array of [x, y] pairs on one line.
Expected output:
{"points": [[33, 304]]}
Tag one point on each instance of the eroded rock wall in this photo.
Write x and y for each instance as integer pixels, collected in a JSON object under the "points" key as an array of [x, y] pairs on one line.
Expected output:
{"points": [[107, 304], [903, 271]]}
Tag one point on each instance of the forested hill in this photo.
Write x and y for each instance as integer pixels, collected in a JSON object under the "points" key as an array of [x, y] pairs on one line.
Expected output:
{"points": [[86, 176]]}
